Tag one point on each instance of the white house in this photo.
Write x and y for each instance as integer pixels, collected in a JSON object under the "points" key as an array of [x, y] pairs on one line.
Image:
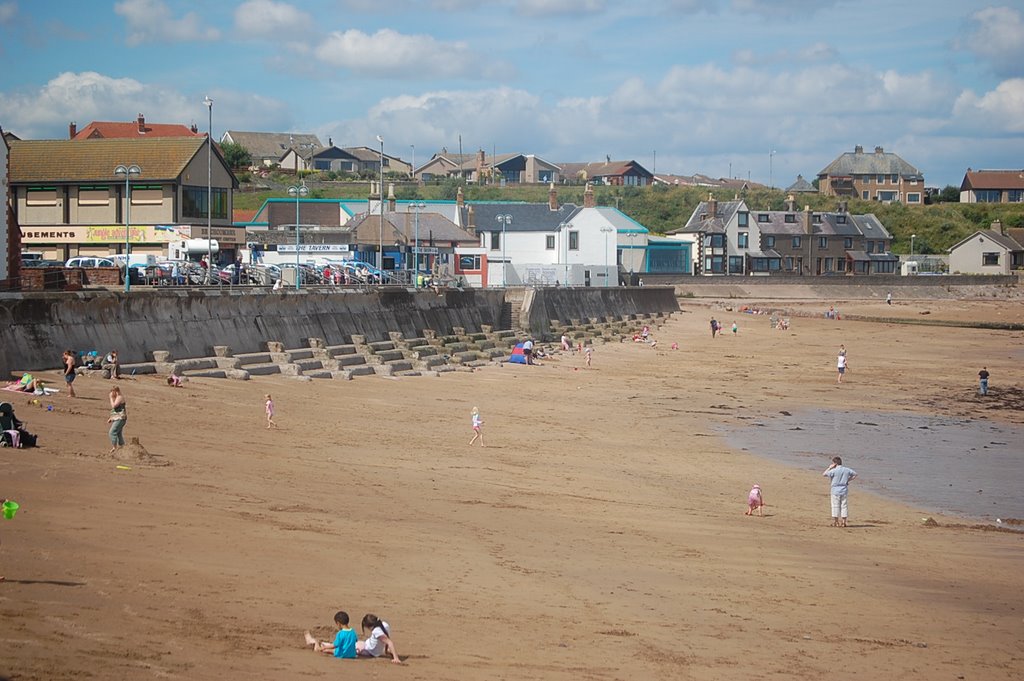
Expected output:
{"points": [[989, 251], [543, 244]]}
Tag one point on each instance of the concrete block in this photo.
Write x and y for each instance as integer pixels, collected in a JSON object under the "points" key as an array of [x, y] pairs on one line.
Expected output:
{"points": [[337, 350], [207, 373], [291, 370], [452, 348], [350, 360], [341, 375], [309, 364], [390, 355], [161, 356], [486, 328], [435, 374], [459, 330], [224, 362], [221, 351], [275, 346], [318, 343], [401, 365], [429, 334], [138, 369], [299, 353], [360, 371], [300, 377], [196, 364], [319, 373], [384, 370], [381, 345], [358, 339], [237, 374], [263, 369], [463, 357], [395, 336]]}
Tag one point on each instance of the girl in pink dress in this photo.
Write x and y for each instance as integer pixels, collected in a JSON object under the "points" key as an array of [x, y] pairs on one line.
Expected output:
{"points": [[755, 502]]}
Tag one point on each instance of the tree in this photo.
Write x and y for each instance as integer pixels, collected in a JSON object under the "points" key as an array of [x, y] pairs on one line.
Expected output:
{"points": [[949, 194], [236, 155]]}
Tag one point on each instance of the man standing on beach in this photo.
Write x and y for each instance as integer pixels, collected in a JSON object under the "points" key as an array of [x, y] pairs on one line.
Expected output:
{"points": [[983, 381], [841, 477]]}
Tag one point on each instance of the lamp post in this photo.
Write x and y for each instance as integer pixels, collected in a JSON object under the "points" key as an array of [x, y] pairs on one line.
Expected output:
{"points": [[607, 229], [505, 221], [209, 190], [297, 191], [771, 156], [380, 198], [416, 207], [127, 171], [912, 237]]}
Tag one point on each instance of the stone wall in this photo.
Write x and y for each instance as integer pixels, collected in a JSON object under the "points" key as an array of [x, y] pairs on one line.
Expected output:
{"points": [[543, 305], [36, 327]]}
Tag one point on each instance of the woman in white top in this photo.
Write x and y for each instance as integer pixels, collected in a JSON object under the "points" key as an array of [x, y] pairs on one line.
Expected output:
{"points": [[379, 641]]}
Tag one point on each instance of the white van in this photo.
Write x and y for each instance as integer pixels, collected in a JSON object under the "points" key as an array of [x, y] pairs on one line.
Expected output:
{"points": [[90, 261]]}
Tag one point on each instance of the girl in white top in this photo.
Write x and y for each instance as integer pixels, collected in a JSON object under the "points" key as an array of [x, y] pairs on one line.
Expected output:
{"points": [[379, 641], [477, 423]]}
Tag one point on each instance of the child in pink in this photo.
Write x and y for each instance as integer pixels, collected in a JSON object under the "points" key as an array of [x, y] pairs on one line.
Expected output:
{"points": [[755, 502], [270, 413]]}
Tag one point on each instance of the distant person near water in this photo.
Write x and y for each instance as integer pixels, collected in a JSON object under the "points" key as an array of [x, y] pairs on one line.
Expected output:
{"points": [[841, 477], [983, 381]]}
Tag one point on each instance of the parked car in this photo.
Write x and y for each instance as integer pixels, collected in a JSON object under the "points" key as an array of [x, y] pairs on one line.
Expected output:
{"points": [[89, 261], [42, 263]]}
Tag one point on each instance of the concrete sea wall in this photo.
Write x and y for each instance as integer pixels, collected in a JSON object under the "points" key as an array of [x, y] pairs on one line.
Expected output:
{"points": [[542, 305]]}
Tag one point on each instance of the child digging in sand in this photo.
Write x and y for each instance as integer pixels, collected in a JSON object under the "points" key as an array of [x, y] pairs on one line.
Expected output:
{"points": [[755, 502], [477, 424], [344, 645], [270, 413]]}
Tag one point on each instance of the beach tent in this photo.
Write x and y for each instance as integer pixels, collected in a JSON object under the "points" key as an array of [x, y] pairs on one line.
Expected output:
{"points": [[517, 356]]}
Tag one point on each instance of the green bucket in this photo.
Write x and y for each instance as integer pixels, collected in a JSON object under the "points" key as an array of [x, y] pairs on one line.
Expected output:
{"points": [[10, 508]]}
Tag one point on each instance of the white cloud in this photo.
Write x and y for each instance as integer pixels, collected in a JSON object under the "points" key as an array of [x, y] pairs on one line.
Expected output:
{"points": [[259, 18], [151, 21], [88, 96], [7, 11], [536, 8], [995, 113], [393, 54], [998, 36]]}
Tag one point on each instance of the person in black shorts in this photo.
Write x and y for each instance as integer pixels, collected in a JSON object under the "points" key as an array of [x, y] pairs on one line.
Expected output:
{"points": [[69, 372]]}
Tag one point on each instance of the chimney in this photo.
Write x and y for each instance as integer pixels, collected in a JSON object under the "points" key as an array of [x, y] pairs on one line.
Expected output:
{"points": [[858, 149], [481, 160], [460, 199], [194, 128], [72, 130], [471, 221], [552, 197], [712, 205], [791, 204], [330, 142], [142, 123], [588, 197], [808, 221], [843, 207], [997, 226], [879, 150], [391, 197]]}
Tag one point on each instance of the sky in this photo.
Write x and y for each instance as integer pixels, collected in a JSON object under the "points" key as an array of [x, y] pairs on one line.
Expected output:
{"points": [[764, 89]]}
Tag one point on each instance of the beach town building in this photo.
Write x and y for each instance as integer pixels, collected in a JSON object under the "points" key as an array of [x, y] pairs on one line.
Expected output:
{"points": [[478, 168], [69, 201], [137, 129], [612, 173], [992, 186], [10, 249], [881, 176], [997, 250], [269, 149], [731, 239]]}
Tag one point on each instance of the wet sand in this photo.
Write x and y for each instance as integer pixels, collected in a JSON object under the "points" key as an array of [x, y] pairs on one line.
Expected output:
{"points": [[599, 535]]}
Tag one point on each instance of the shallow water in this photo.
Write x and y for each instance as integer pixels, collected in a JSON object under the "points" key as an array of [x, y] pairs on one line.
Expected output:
{"points": [[962, 467]]}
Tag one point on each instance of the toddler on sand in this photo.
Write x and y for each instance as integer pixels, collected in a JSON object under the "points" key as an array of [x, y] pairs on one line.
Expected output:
{"points": [[755, 502], [477, 423], [270, 413]]}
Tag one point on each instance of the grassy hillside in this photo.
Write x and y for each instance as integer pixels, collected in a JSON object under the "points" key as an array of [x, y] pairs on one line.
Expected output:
{"points": [[663, 208]]}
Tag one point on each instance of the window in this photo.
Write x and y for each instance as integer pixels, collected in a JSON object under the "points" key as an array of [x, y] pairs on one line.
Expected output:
{"points": [[989, 259], [469, 263], [822, 242], [881, 179], [789, 263], [840, 219], [848, 242], [714, 264], [828, 264], [790, 218], [94, 196], [735, 264], [743, 220], [885, 266], [495, 241], [762, 217], [193, 201], [549, 242], [865, 194], [574, 241], [743, 240], [913, 182], [769, 242], [1014, 195], [816, 218], [986, 196], [888, 196], [153, 195], [895, 179], [867, 179], [41, 196], [869, 247], [714, 240], [546, 176], [796, 242], [914, 197], [841, 264]]}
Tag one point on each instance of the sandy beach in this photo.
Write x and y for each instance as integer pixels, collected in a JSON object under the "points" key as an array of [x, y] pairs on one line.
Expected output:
{"points": [[599, 535]]}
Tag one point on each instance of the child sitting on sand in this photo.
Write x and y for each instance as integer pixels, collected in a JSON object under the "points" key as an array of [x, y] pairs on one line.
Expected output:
{"points": [[175, 381], [379, 641], [755, 502], [344, 642]]}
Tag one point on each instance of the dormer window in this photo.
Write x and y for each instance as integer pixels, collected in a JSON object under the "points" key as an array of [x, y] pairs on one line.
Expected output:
{"points": [[790, 218], [841, 219], [762, 217], [817, 218]]}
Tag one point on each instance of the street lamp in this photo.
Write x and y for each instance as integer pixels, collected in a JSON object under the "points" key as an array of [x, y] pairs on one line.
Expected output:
{"points": [[505, 221], [127, 171], [912, 237], [209, 191], [416, 207], [771, 155], [380, 198], [297, 191], [607, 229]]}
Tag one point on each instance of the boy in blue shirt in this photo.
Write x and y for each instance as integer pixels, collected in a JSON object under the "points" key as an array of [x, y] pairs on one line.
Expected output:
{"points": [[344, 642]]}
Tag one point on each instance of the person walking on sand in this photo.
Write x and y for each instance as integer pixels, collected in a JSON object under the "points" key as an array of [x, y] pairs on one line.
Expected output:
{"points": [[118, 418], [755, 501], [714, 327], [69, 372], [477, 425], [270, 412], [888, 298], [735, 328], [983, 381], [841, 477], [588, 353], [841, 363]]}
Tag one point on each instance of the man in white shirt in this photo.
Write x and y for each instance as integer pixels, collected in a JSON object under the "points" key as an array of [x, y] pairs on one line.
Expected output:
{"points": [[528, 350]]}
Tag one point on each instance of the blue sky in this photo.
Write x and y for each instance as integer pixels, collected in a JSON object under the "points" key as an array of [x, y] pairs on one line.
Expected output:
{"points": [[682, 86]]}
